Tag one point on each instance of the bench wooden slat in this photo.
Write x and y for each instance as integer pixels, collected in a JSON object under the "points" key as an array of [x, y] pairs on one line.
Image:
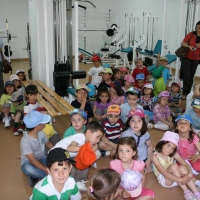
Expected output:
{"points": [[55, 95], [52, 101], [25, 83]]}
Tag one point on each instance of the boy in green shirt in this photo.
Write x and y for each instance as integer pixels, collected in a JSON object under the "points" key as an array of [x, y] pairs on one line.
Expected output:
{"points": [[17, 111], [58, 185], [78, 120], [159, 83]]}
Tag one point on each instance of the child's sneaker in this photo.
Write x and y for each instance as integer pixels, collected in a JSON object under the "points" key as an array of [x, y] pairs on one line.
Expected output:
{"points": [[81, 185], [21, 128], [188, 195], [150, 125], [6, 123], [16, 133]]}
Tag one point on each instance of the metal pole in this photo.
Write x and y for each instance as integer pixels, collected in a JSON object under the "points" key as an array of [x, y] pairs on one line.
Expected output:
{"points": [[76, 38], [54, 27], [163, 28]]}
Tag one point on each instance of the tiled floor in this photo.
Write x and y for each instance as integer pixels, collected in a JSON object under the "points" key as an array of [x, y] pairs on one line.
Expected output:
{"points": [[14, 185]]}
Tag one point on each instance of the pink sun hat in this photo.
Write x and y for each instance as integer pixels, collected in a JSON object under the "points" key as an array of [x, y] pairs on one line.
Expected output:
{"points": [[170, 137], [131, 181], [163, 94], [137, 111], [129, 78]]}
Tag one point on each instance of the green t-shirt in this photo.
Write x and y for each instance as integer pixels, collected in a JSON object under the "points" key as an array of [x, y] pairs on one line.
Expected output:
{"points": [[14, 108], [4, 99], [159, 86], [71, 131], [45, 190]]}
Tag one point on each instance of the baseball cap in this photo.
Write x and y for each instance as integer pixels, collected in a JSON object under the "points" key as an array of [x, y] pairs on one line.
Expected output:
{"points": [[58, 154], [140, 77], [82, 86], [85, 157], [34, 118], [19, 70], [163, 58], [16, 96], [14, 77], [9, 83], [137, 59], [80, 112], [114, 109], [157, 72], [170, 137], [129, 78], [163, 94], [107, 70], [196, 103], [132, 90], [148, 85], [131, 181], [176, 82], [123, 69], [137, 111], [184, 117], [106, 65]]}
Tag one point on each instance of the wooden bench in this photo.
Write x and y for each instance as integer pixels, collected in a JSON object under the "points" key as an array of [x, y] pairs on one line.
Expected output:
{"points": [[47, 98]]}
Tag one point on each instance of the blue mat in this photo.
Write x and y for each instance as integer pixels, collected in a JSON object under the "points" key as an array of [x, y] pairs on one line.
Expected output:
{"points": [[84, 51]]}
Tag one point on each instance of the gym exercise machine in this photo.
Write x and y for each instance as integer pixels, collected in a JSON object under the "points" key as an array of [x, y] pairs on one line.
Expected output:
{"points": [[7, 47], [63, 74]]}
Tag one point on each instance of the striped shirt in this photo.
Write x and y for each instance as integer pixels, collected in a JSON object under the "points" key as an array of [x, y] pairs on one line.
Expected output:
{"points": [[140, 141], [112, 131], [174, 98]]}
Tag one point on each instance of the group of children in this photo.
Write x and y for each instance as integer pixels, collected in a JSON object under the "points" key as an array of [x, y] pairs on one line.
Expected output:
{"points": [[123, 104]]}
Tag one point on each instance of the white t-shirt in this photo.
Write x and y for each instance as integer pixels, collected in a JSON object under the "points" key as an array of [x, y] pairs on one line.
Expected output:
{"points": [[64, 143], [96, 75], [189, 99]]}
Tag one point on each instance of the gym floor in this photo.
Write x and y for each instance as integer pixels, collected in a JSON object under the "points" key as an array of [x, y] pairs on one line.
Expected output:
{"points": [[14, 185]]}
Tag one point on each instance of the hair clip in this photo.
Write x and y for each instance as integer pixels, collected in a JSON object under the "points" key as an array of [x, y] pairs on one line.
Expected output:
{"points": [[91, 189]]}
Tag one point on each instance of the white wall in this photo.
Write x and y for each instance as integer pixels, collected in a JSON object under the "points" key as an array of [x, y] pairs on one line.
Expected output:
{"points": [[17, 13]]}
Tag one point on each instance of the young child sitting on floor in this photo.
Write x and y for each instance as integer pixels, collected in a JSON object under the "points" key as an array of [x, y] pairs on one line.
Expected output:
{"points": [[95, 72], [32, 145], [107, 75], [159, 83], [116, 94], [58, 183], [175, 99], [132, 97], [139, 81], [127, 152], [5, 103], [101, 104], [194, 113], [78, 120], [113, 126], [169, 173], [81, 101], [17, 112], [140, 69], [93, 133], [147, 100], [161, 113]]}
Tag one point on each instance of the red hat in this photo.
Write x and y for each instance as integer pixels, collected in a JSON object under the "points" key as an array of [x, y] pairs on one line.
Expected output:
{"points": [[85, 157], [95, 58], [123, 69]]}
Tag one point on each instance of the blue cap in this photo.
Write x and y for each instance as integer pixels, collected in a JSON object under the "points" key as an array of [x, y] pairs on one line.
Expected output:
{"points": [[80, 112], [140, 77], [106, 65], [132, 90], [184, 117], [9, 83], [196, 102], [34, 118]]}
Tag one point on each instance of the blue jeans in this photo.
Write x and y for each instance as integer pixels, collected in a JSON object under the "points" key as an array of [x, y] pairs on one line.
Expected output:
{"points": [[30, 170]]}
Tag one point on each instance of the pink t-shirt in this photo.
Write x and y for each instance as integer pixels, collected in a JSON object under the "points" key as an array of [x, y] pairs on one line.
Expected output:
{"points": [[116, 165], [118, 100], [185, 149]]}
